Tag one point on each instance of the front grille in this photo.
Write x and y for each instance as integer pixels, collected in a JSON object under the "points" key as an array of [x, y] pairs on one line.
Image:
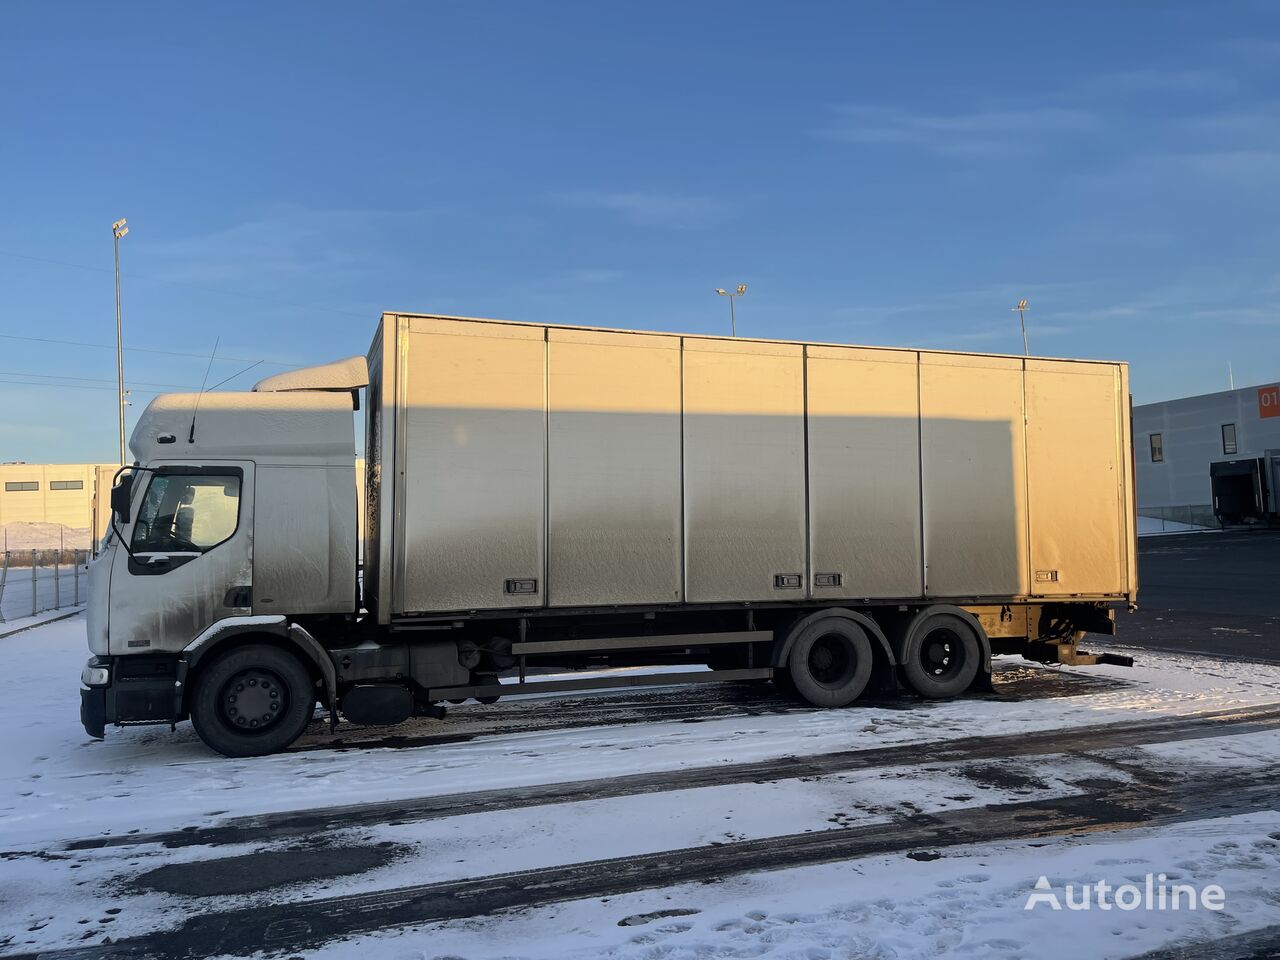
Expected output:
{"points": [[146, 668]]}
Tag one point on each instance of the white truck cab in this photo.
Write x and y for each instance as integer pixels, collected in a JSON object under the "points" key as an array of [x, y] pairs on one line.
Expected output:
{"points": [[240, 508]]}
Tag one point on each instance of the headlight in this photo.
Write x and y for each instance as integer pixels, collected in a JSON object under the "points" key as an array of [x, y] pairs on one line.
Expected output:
{"points": [[95, 676]]}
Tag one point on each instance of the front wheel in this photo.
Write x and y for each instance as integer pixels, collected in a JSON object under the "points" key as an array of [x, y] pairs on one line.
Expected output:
{"points": [[252, 701]]}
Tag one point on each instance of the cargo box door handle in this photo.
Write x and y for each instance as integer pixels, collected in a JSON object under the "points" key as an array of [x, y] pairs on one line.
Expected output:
{"points": [[787, 581], [522, 585], [827, 579]]}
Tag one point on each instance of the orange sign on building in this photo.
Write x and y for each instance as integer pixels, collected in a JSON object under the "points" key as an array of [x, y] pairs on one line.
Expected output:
{"points": [[1269, 401]]}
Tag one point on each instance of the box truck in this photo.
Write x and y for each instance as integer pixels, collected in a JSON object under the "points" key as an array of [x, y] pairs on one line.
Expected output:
{"points": [[536, 496]]}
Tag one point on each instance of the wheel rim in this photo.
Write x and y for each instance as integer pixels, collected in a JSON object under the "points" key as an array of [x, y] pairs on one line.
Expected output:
{"points": [[942, 654], [832, 661], [253, 701]]}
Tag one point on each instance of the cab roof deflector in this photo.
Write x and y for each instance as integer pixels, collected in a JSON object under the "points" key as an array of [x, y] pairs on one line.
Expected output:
{"points": [[343, 376]]}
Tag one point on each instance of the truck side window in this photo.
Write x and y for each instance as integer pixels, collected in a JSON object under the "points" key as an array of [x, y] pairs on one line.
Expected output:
{"points": [[187, 513]]}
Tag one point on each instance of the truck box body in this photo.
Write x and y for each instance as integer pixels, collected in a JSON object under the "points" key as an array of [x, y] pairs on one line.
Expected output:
{"points": [[522, 466]]}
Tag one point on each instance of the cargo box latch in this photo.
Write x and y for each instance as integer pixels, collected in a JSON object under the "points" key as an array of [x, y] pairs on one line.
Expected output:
{"points": [[787, 581], [827, 579], [529, 585]]}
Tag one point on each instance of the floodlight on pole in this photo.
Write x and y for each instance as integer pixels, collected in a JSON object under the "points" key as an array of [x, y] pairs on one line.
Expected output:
{"points": [[118, 230], [733, 320], [1021, 310]]}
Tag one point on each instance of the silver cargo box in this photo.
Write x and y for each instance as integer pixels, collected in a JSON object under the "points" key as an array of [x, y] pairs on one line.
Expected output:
{"points": [[522, 466]]}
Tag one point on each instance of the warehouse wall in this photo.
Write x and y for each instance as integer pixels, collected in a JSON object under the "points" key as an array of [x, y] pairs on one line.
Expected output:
{"points": [[1190, 432], [50, 495]]}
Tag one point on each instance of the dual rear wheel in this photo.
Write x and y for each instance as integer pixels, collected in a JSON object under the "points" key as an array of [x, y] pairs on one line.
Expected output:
{"points": [[940, 654], [830, 661]]}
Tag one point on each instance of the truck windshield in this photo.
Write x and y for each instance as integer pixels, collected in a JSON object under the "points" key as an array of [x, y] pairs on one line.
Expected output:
{"points": [[187, 513]]}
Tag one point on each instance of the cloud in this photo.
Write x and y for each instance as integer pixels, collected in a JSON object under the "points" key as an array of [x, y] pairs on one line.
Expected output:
{"points": [[1190, 80], [284, 242], [970, 133], [651, 208], [1257, 49], [1137, 102], [1007, 333], [592, 276], [1267, 315], [570, 285], [1246, 167]]}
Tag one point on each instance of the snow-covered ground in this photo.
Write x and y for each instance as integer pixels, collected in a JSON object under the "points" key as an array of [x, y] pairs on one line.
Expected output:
{"points": [[958, 899]]}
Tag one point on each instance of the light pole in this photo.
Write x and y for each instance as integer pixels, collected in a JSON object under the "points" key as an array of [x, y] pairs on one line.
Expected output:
{"points": [[1021, 310], [118, 230], [733, 321]]}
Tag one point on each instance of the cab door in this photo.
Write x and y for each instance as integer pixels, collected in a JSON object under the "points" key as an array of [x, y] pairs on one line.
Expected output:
{"points": [[190, 557]]}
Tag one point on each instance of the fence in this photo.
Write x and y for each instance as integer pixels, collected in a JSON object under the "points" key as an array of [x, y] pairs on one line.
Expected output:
{"points": [[32, 581]]}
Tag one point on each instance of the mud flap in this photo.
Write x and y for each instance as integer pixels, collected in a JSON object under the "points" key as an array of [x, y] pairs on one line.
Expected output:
{"points": [[93, 711]]}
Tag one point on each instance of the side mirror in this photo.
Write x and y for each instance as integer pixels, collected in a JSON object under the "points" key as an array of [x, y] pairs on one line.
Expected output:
{"points": [[121, 496]]}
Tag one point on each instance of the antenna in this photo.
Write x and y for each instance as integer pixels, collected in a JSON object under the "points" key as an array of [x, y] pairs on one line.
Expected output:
{"points": [[234, 375], [191, 434]]}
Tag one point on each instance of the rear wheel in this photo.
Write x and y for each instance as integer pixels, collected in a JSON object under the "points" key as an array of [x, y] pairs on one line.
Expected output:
{"points": [[830, 662], [252, 700], [940, 655], [484, 680]]}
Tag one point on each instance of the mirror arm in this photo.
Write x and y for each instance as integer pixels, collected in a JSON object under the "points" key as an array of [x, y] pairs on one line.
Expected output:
{"points": [[114, 527]]}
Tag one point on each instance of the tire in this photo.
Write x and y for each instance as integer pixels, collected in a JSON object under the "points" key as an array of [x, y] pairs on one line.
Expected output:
{"points": [[830, 662], [940, 655], [485, 679], [270, 681]]}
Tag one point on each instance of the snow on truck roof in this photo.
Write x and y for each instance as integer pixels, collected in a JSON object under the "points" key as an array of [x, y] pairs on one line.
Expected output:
{"points": [[715, 336], [341, 375], [306, 424]]}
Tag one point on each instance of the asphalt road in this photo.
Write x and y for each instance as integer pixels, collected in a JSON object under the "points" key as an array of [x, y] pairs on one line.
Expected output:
{"points": [[1213, 593]]}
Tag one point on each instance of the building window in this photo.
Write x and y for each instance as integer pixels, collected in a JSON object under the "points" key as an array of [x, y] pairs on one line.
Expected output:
{"points": [[13, 486], [1228, 438], [1157, 448], [66, 484]]}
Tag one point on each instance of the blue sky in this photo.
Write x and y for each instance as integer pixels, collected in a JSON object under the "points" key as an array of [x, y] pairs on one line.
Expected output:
{"points": [[878, 174]]}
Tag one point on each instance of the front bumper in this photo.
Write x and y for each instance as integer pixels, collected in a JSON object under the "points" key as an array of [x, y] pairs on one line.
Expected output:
{"points": [[138, 689]]}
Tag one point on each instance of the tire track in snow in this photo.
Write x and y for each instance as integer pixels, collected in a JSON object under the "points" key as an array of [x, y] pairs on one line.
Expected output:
{"points": [[294, 823], [1012, 682], [297, 926]]}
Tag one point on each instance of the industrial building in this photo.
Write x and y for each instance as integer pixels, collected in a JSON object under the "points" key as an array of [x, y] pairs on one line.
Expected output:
{"points": [[44, 506], [1210, 460]]}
